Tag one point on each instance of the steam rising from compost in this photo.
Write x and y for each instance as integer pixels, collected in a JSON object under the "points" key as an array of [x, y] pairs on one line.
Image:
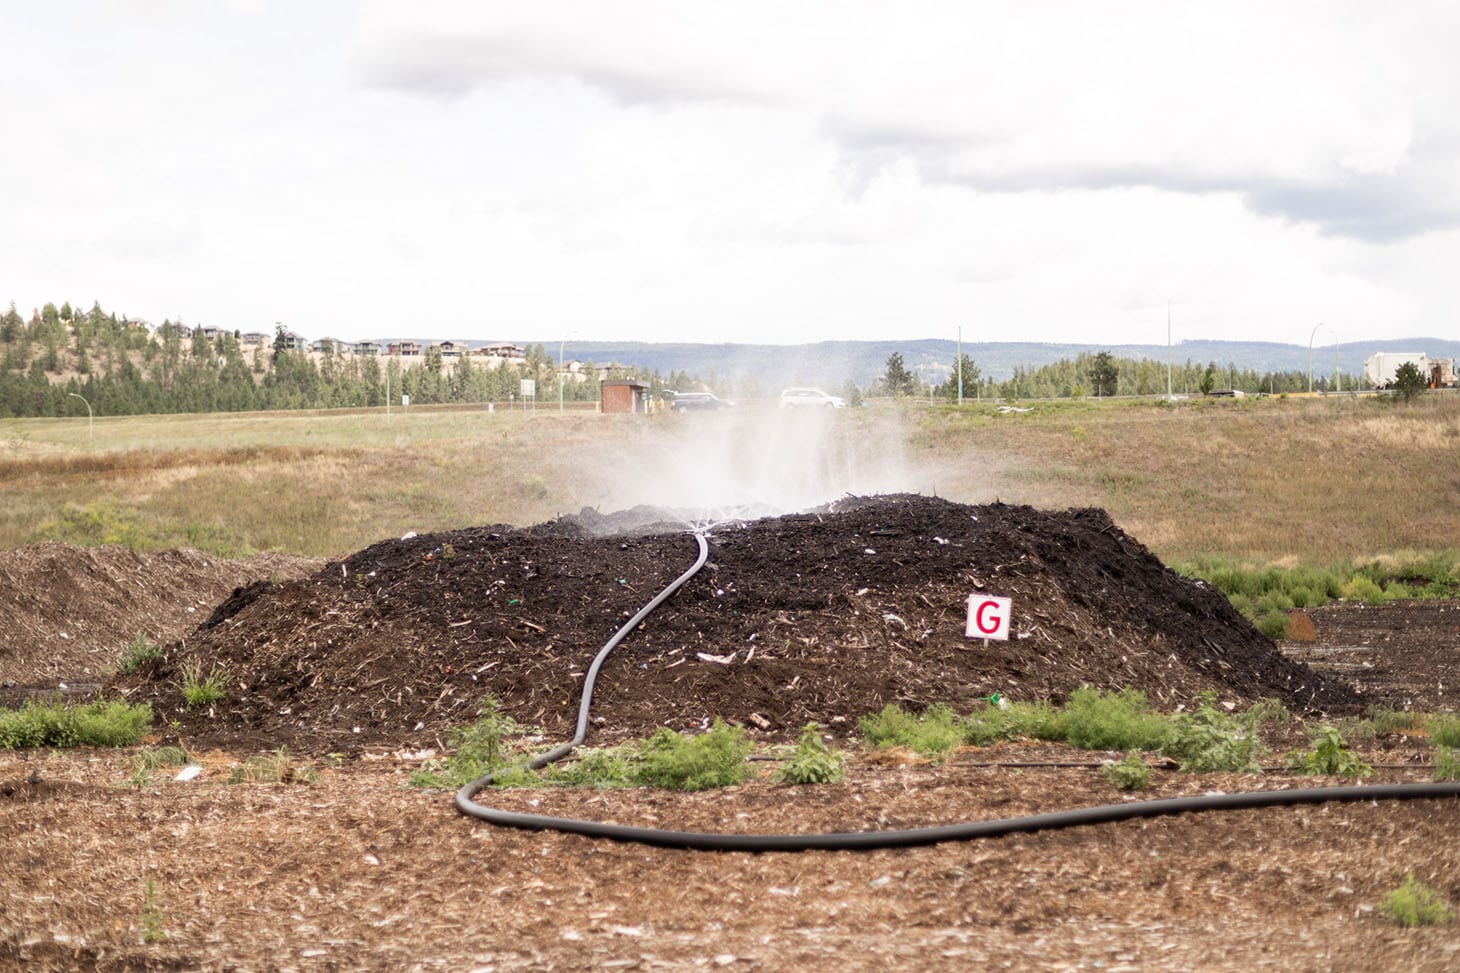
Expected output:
{"points": [[761, 462]]}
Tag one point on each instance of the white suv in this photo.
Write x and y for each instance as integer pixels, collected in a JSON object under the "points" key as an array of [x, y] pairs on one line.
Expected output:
{"points": [[812, 398]]}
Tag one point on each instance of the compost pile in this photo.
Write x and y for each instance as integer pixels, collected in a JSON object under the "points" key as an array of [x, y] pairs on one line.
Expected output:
{"points": [[816, 617]]}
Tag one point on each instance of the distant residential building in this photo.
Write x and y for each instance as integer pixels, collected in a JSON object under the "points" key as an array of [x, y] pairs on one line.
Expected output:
{"points": [[253, 338], [367, 348], [500, 351], [405, 349]]}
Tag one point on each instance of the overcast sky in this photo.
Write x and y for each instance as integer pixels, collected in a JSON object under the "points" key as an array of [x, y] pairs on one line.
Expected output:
{"points": [[742, 171]]}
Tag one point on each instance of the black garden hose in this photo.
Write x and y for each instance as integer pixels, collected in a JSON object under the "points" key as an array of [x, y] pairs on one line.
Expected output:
{"points": [[866, 840]]}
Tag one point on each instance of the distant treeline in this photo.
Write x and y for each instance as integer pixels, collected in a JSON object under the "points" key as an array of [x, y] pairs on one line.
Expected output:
{"points": [[123, 367], [1101, 373]]}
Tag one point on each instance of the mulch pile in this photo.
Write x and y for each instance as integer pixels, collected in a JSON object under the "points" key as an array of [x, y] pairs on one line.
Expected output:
{"points": [[68, 611], [815, 617]]}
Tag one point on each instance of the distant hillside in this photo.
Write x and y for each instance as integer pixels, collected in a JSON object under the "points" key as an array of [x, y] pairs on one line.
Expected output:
{"points": [[831, 363]]}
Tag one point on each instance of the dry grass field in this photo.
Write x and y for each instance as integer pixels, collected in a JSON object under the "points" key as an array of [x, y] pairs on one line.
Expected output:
{"points": [[1287, 480]]}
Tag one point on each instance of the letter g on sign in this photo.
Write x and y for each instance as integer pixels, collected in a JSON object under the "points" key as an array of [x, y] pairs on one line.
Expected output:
{"points": [[988, 617]]}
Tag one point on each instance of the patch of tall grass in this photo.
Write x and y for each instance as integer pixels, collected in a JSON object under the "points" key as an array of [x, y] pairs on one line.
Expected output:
{"points": [[1262, 591], [1206, 738], [95, 724]]}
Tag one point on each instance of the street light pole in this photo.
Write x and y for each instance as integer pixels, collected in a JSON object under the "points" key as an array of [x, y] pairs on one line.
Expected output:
{"points": [[88, 412], [960, 364], [561, 344], [1310, 355]]}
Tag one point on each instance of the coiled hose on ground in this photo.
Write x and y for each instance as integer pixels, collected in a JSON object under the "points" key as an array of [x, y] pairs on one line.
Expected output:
{"points": [[864, 840]]}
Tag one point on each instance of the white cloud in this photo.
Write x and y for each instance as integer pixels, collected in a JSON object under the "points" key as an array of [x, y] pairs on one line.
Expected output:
{"points": [[759, 171]]}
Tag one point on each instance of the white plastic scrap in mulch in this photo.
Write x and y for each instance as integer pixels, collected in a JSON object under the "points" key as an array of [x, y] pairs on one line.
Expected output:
{"points": [[190, 772]]}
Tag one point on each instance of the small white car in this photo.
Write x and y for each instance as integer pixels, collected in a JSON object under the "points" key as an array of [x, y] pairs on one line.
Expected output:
{"points": [[802, 398]]}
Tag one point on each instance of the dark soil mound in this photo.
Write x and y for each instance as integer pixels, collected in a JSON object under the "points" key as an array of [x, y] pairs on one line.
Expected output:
{"points": [[822, 616]]}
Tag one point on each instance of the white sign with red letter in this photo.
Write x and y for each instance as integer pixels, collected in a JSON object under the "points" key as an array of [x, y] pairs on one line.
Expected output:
{"points": [[988, 617]]}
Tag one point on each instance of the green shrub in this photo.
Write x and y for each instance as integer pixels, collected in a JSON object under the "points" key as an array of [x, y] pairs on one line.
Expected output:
{"points": [[136, 652], [1364, 590], [812, 762], [1274, 601], [1308, 598], [1123, 720], [1415, 904], [1208, 739], [715, 758], [1444, 731], [95, 724], [203, 690], [1274, 624], [934, 734], [1130, 774], [1447, 765], [1329, 756]]}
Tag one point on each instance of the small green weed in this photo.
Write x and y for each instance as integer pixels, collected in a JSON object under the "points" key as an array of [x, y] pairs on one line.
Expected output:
{"points": [[145, 762], [812, 762], [136, 652], [1381, 720], [1130, 774], [1268, 711], [203, 690], [715, 758], [1330, 755], [153, 917], [1415, 904], [478, 749], [274, 768]]}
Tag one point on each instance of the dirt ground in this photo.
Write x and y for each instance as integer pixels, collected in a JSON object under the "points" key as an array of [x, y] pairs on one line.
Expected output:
{"points": [[360, 666]]}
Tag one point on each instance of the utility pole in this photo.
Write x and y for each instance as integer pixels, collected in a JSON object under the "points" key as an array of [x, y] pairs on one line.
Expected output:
{"points": [[1168, 351]]}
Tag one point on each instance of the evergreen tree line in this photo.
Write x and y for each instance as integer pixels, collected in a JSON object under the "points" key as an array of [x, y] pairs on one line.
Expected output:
{"points": [[1103, 374], [121, 367]]}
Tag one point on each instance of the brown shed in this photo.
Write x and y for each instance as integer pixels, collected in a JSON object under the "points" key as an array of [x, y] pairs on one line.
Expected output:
{"points": [[624, 395]]}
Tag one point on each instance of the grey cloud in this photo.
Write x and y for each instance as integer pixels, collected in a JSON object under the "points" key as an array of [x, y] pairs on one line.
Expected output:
{"points": [[452, 66], [1375, 210]]}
